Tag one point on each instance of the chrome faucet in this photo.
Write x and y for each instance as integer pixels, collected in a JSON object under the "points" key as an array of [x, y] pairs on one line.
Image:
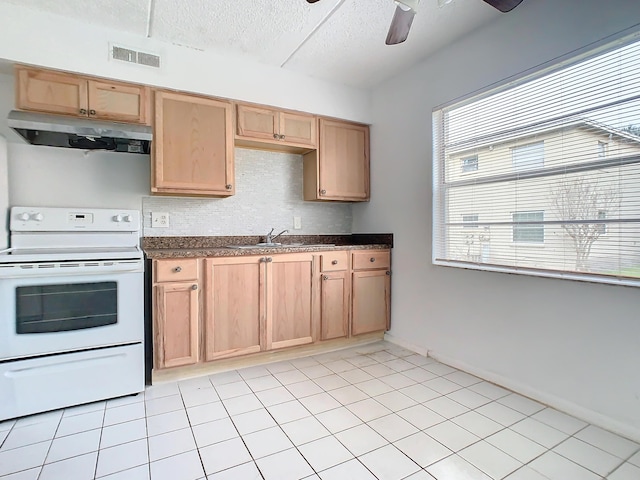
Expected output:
{"points": [[270, 238]]}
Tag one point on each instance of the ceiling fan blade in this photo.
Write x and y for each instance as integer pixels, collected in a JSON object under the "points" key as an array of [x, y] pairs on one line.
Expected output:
{"points": [[503, 5], [400, 25]]}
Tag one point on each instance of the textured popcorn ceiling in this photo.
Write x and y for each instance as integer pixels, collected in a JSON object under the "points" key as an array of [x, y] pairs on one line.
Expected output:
{"points": [[348, 47]]}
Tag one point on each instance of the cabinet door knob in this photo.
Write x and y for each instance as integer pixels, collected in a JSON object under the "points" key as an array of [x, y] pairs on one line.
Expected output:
{"points": [[194, 287], [334, 262], [177, 269], [388, 272], [269, 259], [281, 137], [228, 186], [372, 259], [263, 259], [92, 112], [276, 136], [322, 192], [83, 111], [324, 277]]}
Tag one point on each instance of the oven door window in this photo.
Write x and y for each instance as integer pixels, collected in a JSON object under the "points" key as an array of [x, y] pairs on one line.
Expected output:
{"points": [[62, 308]]}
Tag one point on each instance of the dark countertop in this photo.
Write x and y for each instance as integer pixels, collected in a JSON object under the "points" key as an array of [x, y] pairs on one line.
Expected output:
{"points": [[183, 247]]}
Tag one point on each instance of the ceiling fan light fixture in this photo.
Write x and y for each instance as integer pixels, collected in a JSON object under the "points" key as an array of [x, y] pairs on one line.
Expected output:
{"points": [[407, 5]]}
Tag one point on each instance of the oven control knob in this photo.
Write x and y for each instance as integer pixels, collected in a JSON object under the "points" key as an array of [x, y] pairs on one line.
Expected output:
{"points": [[128, 218], [38, 217], [24, 217], [117, 218]]}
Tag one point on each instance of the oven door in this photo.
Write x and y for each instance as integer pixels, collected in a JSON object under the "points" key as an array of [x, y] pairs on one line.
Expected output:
{"points": [[50, 308]]}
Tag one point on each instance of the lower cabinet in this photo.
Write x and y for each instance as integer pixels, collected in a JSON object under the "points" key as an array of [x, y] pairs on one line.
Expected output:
{"points": [[334, 295], [256, 303], [370, 291], [176, 311], [289, 300], [234, 313]]}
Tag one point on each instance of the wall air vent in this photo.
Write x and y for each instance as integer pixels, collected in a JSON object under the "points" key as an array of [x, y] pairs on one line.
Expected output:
{"points": [[134, 56]]}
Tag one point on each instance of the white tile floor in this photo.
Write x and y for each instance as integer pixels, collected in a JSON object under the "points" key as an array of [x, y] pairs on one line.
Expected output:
{"points": [[375, 411]]}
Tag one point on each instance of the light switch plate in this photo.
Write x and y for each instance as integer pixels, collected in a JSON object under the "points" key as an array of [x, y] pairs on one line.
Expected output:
{"points": [[160, 219], [297, 223]]}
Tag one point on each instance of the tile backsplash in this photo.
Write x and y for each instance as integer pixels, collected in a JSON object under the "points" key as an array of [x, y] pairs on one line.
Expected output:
{"points": [[268, 195]]}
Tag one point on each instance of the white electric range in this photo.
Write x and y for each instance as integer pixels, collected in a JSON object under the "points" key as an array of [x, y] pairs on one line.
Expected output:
{"points": [[71, 308]]}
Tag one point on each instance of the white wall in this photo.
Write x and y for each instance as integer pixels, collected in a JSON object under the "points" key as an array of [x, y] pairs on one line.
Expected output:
{"points": [[571, 344], [32, 37]]}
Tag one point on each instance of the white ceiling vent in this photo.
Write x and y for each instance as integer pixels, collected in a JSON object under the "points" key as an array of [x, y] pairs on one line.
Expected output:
{"points": [[134, 56]]}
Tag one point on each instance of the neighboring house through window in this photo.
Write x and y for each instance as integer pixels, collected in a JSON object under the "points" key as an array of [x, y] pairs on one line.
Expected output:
{"points": [[470, 164], [528, 157], [470, 221], [602, 149], [602, 215], [524, 231], [559, 187]]}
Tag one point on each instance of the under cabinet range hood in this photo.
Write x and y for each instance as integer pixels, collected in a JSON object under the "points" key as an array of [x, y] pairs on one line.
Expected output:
{"points": [[85, 134]]}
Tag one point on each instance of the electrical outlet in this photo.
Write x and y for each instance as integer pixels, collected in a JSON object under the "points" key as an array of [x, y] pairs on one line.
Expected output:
{"points": [[160, 219], [297, 223]]}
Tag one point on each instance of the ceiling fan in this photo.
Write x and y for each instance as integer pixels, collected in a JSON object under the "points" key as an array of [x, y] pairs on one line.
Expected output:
{"points": [[406, 10]]}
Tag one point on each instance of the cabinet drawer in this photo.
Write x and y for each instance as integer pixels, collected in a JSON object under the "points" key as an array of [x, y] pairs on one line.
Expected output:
{"points": [[176, 270], [334, 261], [371, 259]]}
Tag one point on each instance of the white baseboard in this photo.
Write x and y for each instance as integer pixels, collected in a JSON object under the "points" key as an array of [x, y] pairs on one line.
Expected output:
{"points": [[408, 345], [553, 401]]}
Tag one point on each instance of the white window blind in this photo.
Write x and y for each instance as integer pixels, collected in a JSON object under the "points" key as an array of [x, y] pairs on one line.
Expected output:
{"points": [[557, 179]]}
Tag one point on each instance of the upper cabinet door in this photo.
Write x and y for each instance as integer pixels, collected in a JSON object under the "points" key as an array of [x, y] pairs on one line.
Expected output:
{"points": [[339, 169], [298, 128], [256, 122], [262, 127], [52, 92], [192, 146], [118, 102]]}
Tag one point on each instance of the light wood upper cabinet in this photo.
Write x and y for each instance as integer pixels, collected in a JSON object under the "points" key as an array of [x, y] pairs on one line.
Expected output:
{"points": [[234, 306], [192, 146], [67, 94], [299, 129], [339, 168], [275, 128], [289, 300], [176, 312], [118, 102]]}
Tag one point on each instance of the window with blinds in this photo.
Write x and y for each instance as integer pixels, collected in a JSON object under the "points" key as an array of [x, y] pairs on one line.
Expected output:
{"points": [[550, 171]]}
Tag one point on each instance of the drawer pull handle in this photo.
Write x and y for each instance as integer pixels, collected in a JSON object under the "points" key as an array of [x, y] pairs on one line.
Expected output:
{"points": [[194, 287], [177, 269], [324, 277], [334, 262], [372, 259]]}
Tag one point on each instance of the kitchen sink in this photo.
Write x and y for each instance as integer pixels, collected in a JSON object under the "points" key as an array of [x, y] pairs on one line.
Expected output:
{"points": [[280, 245]]}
